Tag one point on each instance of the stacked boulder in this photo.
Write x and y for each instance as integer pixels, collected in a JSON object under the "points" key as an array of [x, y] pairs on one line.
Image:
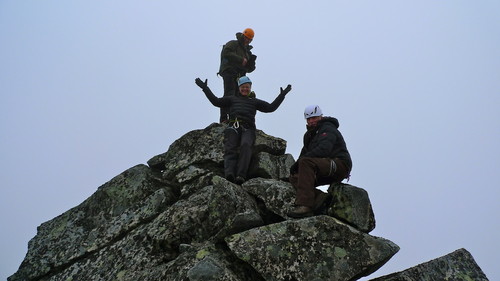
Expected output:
{"points": [[177, 218], [457, 266]]}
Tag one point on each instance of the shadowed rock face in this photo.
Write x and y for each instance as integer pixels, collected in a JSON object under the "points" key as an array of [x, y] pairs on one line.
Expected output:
{"points": [[128, 201], [178, 219]]}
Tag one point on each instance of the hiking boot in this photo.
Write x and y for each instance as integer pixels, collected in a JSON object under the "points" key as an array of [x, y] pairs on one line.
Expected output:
{"points": [[321, 203], [300, 212], [239, 180], [230, 178]]}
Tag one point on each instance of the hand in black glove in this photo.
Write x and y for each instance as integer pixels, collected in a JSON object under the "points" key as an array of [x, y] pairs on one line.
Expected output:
{"points": [[286, 90], [200, 83], [251, 63]]}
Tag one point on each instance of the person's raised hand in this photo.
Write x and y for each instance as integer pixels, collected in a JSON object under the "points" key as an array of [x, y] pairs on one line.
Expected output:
{"points": [[200, 83], [286, 90]]}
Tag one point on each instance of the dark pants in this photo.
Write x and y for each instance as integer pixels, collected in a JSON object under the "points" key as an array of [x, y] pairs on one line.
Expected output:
{"points": [[230, 89], [238, 145], [314, 172]]}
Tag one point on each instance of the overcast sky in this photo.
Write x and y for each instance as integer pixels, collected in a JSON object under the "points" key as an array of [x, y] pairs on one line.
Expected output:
{"points": [[91, 88]]}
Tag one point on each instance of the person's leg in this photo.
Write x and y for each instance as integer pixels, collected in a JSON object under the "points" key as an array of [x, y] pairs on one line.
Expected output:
{"points": [[230, 88], [320, 197], [231, 142], [309, 168], [341, 171], [307, 196], [338, 172], [246, 149]]}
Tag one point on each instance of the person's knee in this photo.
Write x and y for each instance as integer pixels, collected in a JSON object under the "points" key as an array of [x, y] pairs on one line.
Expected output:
{"points": [[306, 162], [246, 145], [341, 171], [247, 141]]}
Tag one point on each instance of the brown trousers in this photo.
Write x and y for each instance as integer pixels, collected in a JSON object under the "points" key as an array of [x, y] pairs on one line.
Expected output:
{"points": [[314, 172]]}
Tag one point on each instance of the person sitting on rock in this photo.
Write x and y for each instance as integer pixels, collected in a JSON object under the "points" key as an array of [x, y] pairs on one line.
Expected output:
{"points": [[240, 133], [324, 159]]}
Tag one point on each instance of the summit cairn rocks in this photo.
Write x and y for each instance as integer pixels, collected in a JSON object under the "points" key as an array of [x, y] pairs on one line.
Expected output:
{"points": [[315, 248], [177, 218]]}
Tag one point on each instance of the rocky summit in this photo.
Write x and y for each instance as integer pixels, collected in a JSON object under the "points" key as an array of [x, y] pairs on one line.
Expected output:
{"points": [[177, 218]]}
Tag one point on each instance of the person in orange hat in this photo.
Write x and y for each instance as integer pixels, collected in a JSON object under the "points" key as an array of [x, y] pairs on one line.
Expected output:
{"points": [[236, 60]]}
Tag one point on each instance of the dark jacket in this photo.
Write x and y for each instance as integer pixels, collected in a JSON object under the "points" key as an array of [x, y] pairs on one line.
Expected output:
{"points": [[244, 108], [326, 141], [232, 55]]}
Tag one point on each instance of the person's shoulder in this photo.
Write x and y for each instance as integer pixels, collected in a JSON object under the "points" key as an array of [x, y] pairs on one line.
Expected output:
{"points": [[232, 43], [330, 122]]}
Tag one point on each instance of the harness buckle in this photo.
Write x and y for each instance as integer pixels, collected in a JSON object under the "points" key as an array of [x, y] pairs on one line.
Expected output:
{"points": [[236, 123]]}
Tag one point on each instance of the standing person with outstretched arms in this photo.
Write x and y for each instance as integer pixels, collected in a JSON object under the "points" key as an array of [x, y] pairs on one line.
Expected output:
{"points": [[240, 133]]}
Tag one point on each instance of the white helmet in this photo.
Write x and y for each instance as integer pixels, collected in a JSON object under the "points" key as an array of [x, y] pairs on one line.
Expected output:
{"points": [[312, 111]]}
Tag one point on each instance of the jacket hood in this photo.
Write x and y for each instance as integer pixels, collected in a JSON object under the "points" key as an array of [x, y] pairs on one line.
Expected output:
{"points": [[332, 120], [327, 119], [239, 37]]}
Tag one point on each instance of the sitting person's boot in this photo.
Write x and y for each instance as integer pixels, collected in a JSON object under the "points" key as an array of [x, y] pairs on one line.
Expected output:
{"points": [[300, 212]]}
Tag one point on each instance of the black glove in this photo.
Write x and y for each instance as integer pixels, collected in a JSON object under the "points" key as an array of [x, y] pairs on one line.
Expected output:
{"points": [[286, 90], [201, 84], [251, 63], [295, 168]]}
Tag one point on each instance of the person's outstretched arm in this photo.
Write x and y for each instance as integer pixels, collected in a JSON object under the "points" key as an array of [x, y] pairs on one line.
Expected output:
{"points": [[270, 107], [210, 96]]}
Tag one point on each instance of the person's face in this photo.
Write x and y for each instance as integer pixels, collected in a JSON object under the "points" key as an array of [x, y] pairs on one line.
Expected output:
{"points": [[246, 40], [313, 121], [245, 89]]}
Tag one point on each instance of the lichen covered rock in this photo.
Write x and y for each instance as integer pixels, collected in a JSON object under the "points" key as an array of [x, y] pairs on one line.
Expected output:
{"points": [[351, 205], [178, 219], [120, 205], [316, 248], [456, 266]]}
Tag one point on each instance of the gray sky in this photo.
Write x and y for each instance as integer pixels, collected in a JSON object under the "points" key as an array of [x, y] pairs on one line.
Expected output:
{"points": [[91, 88]]}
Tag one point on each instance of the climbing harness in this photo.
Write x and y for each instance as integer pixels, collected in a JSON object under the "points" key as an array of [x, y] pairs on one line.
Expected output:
{"points": [[236, 123]]}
